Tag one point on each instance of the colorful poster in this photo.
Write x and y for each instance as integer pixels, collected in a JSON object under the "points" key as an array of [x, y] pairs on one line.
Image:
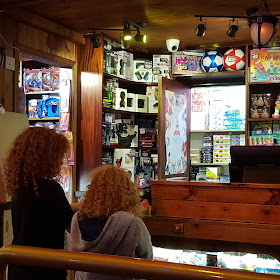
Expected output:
{"points": [[265, 66], [175, 133]]}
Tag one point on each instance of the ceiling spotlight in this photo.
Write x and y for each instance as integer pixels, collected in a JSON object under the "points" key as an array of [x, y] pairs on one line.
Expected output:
{"points": [[124, 44], [262, 25], [95, 40], [140, 38], [233, 28], [200, 29], [126, 31]]}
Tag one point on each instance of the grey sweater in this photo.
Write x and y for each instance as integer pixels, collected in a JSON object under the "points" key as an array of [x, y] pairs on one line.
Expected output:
{"points": [[123, 235]]}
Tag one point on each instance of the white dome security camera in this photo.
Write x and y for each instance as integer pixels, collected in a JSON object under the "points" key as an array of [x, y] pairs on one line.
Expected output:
{"points": [[172, 45]]}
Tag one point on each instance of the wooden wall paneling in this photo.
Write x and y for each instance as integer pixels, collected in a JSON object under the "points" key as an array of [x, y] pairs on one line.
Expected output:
{"points": [[90, 75], [217, 211], [216, 194], [44, 24], [215, 230]]}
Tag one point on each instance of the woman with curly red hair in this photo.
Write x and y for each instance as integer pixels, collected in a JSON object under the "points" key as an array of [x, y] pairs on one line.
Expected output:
{"points": [[40, 211], [109, 220]]}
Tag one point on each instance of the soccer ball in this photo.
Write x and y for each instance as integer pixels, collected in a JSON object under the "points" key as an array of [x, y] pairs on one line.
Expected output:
{"points": [[212, 61], [234, 59]]}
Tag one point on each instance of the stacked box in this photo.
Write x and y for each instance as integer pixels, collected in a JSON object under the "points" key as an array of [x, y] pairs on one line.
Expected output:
{"points": [[221, 148], [152, 94], [195, 156], [161, 66], [207, 149]]}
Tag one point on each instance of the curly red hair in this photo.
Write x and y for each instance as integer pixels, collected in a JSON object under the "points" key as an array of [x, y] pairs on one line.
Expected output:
{"points": [[37, 153], [110, 190]]}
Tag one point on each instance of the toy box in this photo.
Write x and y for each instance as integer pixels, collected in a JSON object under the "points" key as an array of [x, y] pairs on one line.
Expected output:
{"points": [[46, 79], [127, 65], [161, 66], [187, 62], [147, 137], [55, 73], [32, 80], [143, 71], [123, 158], [33, 108], [141, 103], [131, 102], [119, 99], [110, 62], [48, 107], [152, 93], [265, 65]]}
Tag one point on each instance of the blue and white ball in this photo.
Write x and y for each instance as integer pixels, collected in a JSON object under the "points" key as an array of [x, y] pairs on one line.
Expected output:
{"points": [[212, 62]]}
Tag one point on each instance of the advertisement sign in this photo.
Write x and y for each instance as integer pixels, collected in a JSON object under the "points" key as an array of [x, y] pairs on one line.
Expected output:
{"points": [[265, 66]]}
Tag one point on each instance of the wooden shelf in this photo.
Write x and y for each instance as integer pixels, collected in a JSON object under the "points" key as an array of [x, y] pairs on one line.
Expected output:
{"points": [[42, 92], [43, 119], [113, 111], [210, 164], [129, 81], [136, 148], [263, 119], [218, 131], [263, 83], [221, 73]]}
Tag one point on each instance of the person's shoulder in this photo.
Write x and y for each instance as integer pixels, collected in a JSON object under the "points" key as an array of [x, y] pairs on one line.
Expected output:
{"points": [[128, 216], [49, 185]]}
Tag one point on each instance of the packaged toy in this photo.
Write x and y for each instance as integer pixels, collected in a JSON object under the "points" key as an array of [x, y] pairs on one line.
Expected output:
{"points": [[46, 79], [55, 78], [32, 80]]}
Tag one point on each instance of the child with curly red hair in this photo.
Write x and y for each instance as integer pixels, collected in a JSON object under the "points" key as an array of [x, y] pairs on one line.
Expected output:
{"points": [[109, 220]]}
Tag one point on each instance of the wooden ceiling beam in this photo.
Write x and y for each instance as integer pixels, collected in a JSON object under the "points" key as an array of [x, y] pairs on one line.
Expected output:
{"points": [[46, 25]]}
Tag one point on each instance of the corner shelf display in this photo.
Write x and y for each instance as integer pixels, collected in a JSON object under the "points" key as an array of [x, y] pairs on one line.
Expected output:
{"points": [[130, 110], [47, 93], [264, 97]]}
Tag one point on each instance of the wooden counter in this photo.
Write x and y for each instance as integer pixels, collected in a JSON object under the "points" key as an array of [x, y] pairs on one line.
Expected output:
{"points": [[226, 212]]}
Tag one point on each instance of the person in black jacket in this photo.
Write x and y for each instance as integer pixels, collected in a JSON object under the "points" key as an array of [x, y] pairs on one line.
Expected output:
{"points": [[40, 211]]}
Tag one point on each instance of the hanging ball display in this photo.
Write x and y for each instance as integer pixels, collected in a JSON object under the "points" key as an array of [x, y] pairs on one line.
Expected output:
{"points": [[212, 62], [234, 59]]}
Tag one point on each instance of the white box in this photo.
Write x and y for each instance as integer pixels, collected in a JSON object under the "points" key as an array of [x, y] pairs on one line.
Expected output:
{"points": [[131, 102], [143, 70], [161, 66], [119, 99], [124, 154], [128, 65], [152, 94], [141, 103], [120, 66]]}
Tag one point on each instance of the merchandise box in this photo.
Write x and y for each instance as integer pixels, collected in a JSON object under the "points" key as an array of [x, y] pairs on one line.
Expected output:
{"points": [[124, 157], [130, 130], [141, 103], [32, 80], [110, 62], [128, 65], [223, 160], [213, 173], [119, 99], [152, 94], [143, 71], [131, 102], [187, 62], [221, 137], [161, 66], [121, 66], [265, 65]]}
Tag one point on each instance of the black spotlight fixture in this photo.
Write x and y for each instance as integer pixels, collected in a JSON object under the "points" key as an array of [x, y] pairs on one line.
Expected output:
{"points": [[200, 28], [95, 40], [262, 25], [140, 38], [233, 28], [126, 31]]}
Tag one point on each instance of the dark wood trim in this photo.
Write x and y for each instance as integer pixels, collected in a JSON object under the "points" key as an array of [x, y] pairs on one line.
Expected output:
{"points": [[45, 57]]}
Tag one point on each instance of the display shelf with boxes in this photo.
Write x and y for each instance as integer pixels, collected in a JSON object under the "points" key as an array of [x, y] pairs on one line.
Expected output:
{"points": [[130, 110], [263, 97]]}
